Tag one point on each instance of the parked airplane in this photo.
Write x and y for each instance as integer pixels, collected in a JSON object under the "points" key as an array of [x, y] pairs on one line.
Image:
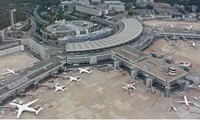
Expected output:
{"points": [[74, 78], [188, 28], [86, 70], [186, 102], [170, 25], [185, 64], [129, 86], [25, 107], [57, 87], [9, 71]]}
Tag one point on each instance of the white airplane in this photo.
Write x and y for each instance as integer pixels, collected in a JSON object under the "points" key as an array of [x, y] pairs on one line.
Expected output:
{"points": [[74, 78], [185, 64], [129, 86], [9, 71], [186, 102], [25, 107], [188, 28], [86, 70], [170, 25], [62, 88]]}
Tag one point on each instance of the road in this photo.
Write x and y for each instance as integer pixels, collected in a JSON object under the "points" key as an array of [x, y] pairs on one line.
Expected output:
{"points": [[37, 16]]}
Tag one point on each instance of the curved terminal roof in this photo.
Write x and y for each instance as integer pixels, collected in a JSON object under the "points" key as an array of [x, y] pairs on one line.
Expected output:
{"points": [[63, 26], [132, 29]]}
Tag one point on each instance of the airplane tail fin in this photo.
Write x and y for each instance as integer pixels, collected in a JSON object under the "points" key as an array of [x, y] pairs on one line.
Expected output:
{"points": [[38, 111], [187, 107], [64, 89]]}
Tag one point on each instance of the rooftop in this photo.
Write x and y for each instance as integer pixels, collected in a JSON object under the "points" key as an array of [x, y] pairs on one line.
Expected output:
{"points": [[130, 53], [156, 68], [113, 2], [132, 29]]}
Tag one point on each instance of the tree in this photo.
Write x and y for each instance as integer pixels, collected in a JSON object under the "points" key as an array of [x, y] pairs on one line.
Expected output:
{"points": [[198, 8], [130, 13], [149, 7], [188, 8]]}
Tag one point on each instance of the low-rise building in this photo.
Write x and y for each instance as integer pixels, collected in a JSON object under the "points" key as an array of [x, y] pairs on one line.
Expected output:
{"points": [[95, 2], [81, 2], [88, 10], [67, 5], [144, 3], [115, 6], [92, 10]]}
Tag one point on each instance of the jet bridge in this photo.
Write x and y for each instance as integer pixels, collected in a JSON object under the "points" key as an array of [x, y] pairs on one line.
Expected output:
{"points": [[31, 77]]}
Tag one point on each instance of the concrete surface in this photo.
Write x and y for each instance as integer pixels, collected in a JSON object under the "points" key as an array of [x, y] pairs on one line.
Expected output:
{"points": [[100, 95], [19, 61]]}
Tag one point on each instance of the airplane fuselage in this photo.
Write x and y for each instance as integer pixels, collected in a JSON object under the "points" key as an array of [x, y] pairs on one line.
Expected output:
{"points": [[186, 102], [74, 78], [61, 88], [84, 70], [23, 108]]}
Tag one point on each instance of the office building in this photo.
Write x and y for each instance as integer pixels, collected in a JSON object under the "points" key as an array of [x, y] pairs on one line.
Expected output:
{"points": [[144, 3]]}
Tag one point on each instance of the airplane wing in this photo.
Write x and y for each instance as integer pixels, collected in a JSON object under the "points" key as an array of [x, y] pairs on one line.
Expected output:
{"points": [[181, 101], [134, 88], [73, 80], [196, 105], [56, 89], [87, 68], [124, 87], [5, 106], [190, 102], [4, 73], [15, 73], [27, 104], [124, 84], [184, 102], [19, 112]]}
